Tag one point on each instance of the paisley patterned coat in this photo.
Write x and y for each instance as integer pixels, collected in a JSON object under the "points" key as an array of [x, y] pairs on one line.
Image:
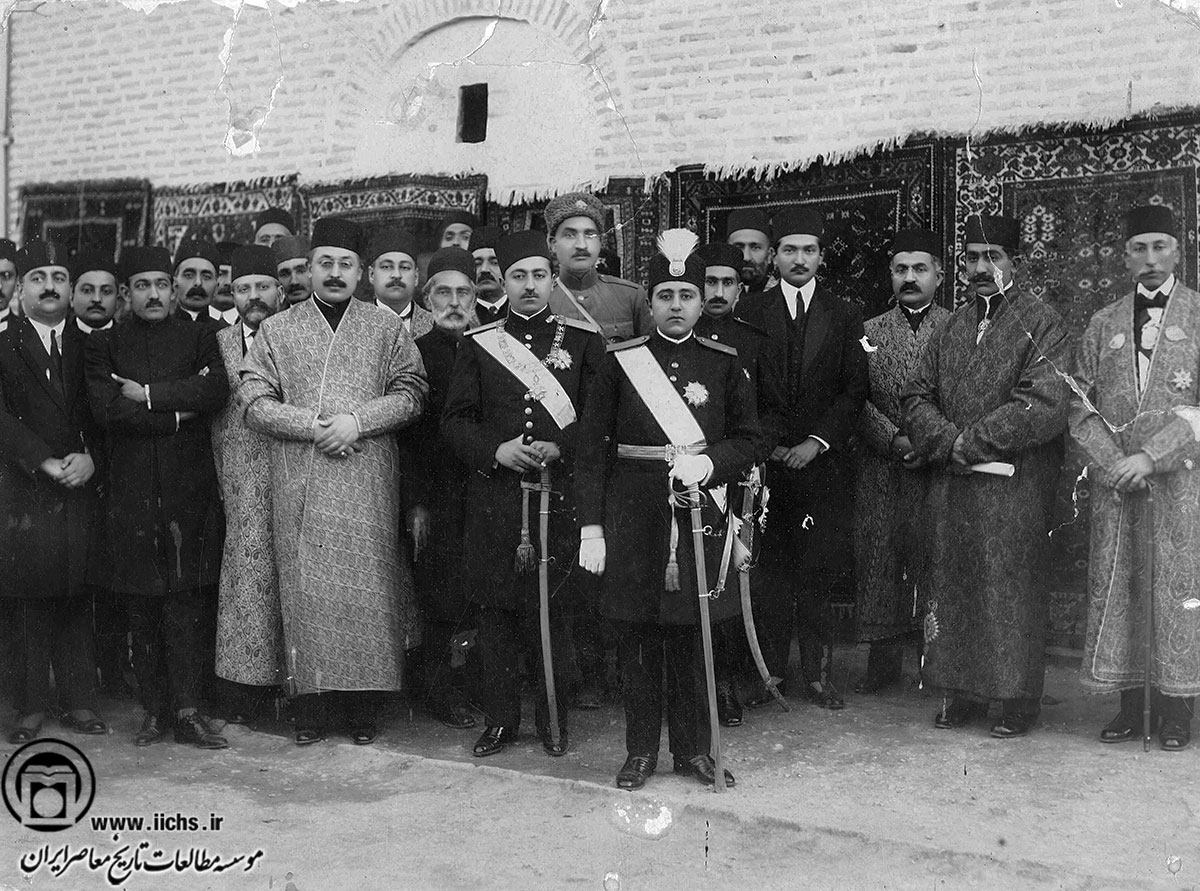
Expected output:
{"points": [[887, 540], [986, 536], [1164, 422], [249, 626], [345, 593]]}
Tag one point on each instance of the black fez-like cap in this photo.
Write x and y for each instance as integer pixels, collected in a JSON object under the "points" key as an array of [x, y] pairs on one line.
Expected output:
{"points": [[798, 221], [41, 253], [8, 250], [748, 218], [392, 241], [197, 247], [517, 246], [451, 259], [339, 233], [274, 215], [720, 254], [289, 248], [150, 258], [253, 259], [460, 217], [92, 259], [483, 237], [1150, 218], [914, 239], [225, 251], [991, 229]]}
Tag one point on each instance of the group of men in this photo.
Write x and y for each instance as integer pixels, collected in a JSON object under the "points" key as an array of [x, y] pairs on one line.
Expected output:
{"points": [[508, 458]]}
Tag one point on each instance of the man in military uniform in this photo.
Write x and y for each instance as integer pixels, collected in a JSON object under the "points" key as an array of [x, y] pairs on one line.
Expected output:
{"points": [[438, 495], [749, 230], [762, 360], [491, 303], [575, 223], [515, 393], [668, 410], [890, 600], [291, 268]]}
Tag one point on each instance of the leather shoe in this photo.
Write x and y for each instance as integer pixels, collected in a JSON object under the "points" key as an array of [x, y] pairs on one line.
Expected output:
{"points": [[306, 736], [761, 696], [92, 726], [454, 715], [729, 710], [1174, 735], [702, 768], [364, 734], [556, 749], [153, 729], [193, 730], [825, 697], [494, 739], [21, 735], [1013, 725], [635, 771], [959, 712], [1122, 728]]}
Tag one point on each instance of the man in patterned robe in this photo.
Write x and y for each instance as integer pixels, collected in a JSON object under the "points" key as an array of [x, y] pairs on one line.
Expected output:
{"points": [[330, 382], [989, 388], [249, 627], [889, 485], [1135, 415]]}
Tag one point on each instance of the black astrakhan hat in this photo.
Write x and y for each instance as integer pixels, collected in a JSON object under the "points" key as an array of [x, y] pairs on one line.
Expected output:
{"points": [[720, 254], [909, 240], [483, 237], [92, 259], [990, 229], [197, 247], [339, 233], [150, 258], [274, 215], [253, 259], [451, 259], [393, 241], [798, 221], [41, 253], [520, 245], [1150, 218], [289, 248], [748, 218]]}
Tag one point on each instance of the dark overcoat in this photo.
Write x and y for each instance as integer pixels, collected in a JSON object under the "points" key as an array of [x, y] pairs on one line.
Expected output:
{"points": [[827, 383], [43, 525], [164, 510], [629, 497], [487, 406]]}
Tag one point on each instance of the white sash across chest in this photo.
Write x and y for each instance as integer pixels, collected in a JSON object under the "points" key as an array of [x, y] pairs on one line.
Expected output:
{"points": [[533, 375]]}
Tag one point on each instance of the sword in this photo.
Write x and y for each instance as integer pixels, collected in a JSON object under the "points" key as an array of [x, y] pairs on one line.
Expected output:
{"points": [[544, 600], [1146, 577], [743, 571], [706, 632]]}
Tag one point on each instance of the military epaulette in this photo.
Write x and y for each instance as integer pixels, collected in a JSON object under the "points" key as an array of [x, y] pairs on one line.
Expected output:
{"points": [[489, 326], [755, 328], [616, 280], [626, 344], [714, 345], [580, 324]]}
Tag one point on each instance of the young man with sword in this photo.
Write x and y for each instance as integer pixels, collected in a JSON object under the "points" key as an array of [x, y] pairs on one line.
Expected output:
{"points": [[670, 421], [516, 390]]}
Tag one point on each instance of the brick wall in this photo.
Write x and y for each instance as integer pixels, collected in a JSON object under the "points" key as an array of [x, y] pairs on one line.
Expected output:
{"points": [[581, 91]]}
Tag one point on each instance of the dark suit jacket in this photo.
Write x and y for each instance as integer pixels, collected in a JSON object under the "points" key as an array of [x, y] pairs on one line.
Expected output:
{"points": [[827, 384], [43, 525]]}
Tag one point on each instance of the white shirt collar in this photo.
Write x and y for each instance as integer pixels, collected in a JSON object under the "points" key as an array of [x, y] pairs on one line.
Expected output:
{"points": [[493, 306], [1165, 288], [683, 339], [194, 315], [806, 294], [248, 335], [43, 331], [229, 316], [88, 329], [406, 314]]}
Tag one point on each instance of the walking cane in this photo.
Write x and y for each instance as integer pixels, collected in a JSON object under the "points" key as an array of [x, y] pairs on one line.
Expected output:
{"points": [[1147, 585], [544, 601], [706, 633]]}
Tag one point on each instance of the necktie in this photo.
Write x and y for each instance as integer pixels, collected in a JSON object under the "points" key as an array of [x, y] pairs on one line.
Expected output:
{"points": [[248, 341], [56, 367]]}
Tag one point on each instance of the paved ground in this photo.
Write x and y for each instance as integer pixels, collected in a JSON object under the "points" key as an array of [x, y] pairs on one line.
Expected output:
{"points": [[872, 797]]}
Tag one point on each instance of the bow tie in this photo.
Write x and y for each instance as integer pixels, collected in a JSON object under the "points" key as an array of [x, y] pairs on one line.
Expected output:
{"points": [[1157, 300]]}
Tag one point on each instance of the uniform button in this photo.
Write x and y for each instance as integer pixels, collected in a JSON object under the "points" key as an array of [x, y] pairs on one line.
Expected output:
{"points": [[529, 411], [674, 364], [528, 439], [529, 337], [527, 397], [1188, 463], [529, 425], [674, 378], [714, 337]]}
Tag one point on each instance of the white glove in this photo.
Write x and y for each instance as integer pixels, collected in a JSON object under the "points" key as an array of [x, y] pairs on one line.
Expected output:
{"points": [[592, 550], [692, 469]]}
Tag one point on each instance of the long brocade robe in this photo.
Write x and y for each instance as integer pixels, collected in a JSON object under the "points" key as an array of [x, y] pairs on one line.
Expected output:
{"points": [[249, 625], [1119, 422], [986, 536], [887, 539], [347, 602]]}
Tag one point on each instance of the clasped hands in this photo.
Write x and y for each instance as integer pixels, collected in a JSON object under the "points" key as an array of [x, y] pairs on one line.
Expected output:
{"points": [[798, 456], [1129, 474], [336, 436], [522, 457], [72, 471]]}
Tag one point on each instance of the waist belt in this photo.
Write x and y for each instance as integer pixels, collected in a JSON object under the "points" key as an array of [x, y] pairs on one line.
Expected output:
{"points": [[666, 453]]}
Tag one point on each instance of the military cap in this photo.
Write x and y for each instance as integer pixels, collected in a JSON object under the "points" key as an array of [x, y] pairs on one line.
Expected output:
{"points": [[573, 204], [718, 253], [914, 239], [1150, 218], [451, 259], [253, 259], [150, 258], [798, 221], [991, 229], [274, 215], [517, 246], [748, 218], [392, 241], [339, 233], [677, 260]]}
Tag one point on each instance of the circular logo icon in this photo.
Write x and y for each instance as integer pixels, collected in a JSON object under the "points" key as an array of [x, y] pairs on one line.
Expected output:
{"points": [[48, 785]]}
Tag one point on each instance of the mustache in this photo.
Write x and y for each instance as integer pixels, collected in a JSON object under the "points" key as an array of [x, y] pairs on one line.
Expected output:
{"points": [[983, 278], [335, 282], [799, 267], [153, 302], [49, 294], [255, 303], [485, 276], [196, 291], [394, 283], [581, 254], [296, 288], [909, 287]]}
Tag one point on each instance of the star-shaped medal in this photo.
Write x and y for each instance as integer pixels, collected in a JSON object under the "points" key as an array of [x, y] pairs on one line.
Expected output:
{"points": [[695, 393], [1181, 379], [558, 358]]}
